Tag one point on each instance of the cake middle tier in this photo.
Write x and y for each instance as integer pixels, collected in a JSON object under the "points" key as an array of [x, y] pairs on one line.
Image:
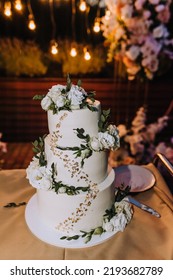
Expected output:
{"points": [[68, 167]]}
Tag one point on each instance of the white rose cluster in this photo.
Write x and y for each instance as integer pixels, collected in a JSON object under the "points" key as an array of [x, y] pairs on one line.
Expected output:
{"points": [[38, 176], [106, 140], [110, 138], [123, 216], [59, 97]]}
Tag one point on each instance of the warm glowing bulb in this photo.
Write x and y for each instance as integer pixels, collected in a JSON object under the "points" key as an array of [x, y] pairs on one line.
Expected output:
{"points": [[31, 24], [7, 9], [18, 5], [87, 55], [73, 52], [96, 27], [54, 48], [82, 6]]}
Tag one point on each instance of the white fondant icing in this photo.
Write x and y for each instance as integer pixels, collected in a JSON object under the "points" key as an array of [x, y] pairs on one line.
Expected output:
{"points": [[61, 210], [64, 123], [68, 167]]}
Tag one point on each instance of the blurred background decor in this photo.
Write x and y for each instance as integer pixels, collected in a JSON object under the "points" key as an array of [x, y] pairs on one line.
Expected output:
{"points": [[122, 50]]}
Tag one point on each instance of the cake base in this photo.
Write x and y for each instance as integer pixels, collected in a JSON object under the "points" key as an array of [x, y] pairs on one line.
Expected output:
{"points": [[52, 236]]}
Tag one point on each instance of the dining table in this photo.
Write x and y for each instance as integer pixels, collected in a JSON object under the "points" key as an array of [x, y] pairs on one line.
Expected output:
{"points": [[146, 237]]}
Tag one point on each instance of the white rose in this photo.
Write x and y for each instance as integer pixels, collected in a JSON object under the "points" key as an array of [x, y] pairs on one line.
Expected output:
{"points": [[60, 101], [95, 144], [45, 103], [75, 95], [106, 140], [108, 226], [45, 183], [39, 176], [55, 90], [119, 222], [113, 130]]}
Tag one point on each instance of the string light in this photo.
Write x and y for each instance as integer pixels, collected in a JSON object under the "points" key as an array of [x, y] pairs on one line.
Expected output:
{"points": [[53, 43], [18, 5], [31, 22], [96, 26], [82, 6], [73, 51], [53, 47], [7, 9], [87, 55]]}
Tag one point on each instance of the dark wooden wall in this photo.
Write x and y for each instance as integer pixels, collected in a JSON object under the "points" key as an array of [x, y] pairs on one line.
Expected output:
{"points": [[23, 120]]}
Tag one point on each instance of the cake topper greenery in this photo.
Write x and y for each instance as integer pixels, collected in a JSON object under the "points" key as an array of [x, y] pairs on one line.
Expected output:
{"points": [[69, 97]]}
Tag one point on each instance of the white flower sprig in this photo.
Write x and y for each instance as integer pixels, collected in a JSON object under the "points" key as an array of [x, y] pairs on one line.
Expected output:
{"points": [[137, 35]]}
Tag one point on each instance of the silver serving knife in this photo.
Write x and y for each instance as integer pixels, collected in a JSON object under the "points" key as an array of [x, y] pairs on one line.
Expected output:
{"points": [[143, 206]]}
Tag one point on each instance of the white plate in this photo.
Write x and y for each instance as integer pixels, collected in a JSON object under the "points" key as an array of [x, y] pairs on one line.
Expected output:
{"points": [[52, 236], [138, 177]]}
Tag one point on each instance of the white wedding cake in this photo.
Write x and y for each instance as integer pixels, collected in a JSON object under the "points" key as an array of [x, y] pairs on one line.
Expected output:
{"points": [[75, 185]]}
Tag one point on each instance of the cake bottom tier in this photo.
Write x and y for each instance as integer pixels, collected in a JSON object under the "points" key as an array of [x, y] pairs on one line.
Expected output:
{"points": [[71, 214]]}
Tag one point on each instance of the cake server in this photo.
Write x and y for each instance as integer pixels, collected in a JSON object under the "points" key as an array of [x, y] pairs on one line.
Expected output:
{"points": [[143, 207]]}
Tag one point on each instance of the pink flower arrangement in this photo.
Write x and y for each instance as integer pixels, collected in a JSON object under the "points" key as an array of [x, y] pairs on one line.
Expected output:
{"points": [[139, 142], [137, 35]]}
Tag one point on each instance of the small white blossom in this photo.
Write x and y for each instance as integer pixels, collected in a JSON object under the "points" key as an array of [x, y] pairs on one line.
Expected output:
{"points": [[62, 190], [45, 103], [95, 144], [85, 153]]}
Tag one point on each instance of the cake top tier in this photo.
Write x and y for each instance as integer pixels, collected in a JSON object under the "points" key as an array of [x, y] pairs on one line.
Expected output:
{"points": [[67, 97]]}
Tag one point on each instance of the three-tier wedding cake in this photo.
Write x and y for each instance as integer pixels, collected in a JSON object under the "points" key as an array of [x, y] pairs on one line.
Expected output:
{"points": [[75, 186]]}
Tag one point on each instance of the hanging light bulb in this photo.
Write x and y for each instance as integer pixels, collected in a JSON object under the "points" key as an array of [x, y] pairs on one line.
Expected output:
{"points": [[73, 51], [31, 22], [82, 6], [7, 9], [54, 47], [18, 5], [96, 26], [87, 55]]}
